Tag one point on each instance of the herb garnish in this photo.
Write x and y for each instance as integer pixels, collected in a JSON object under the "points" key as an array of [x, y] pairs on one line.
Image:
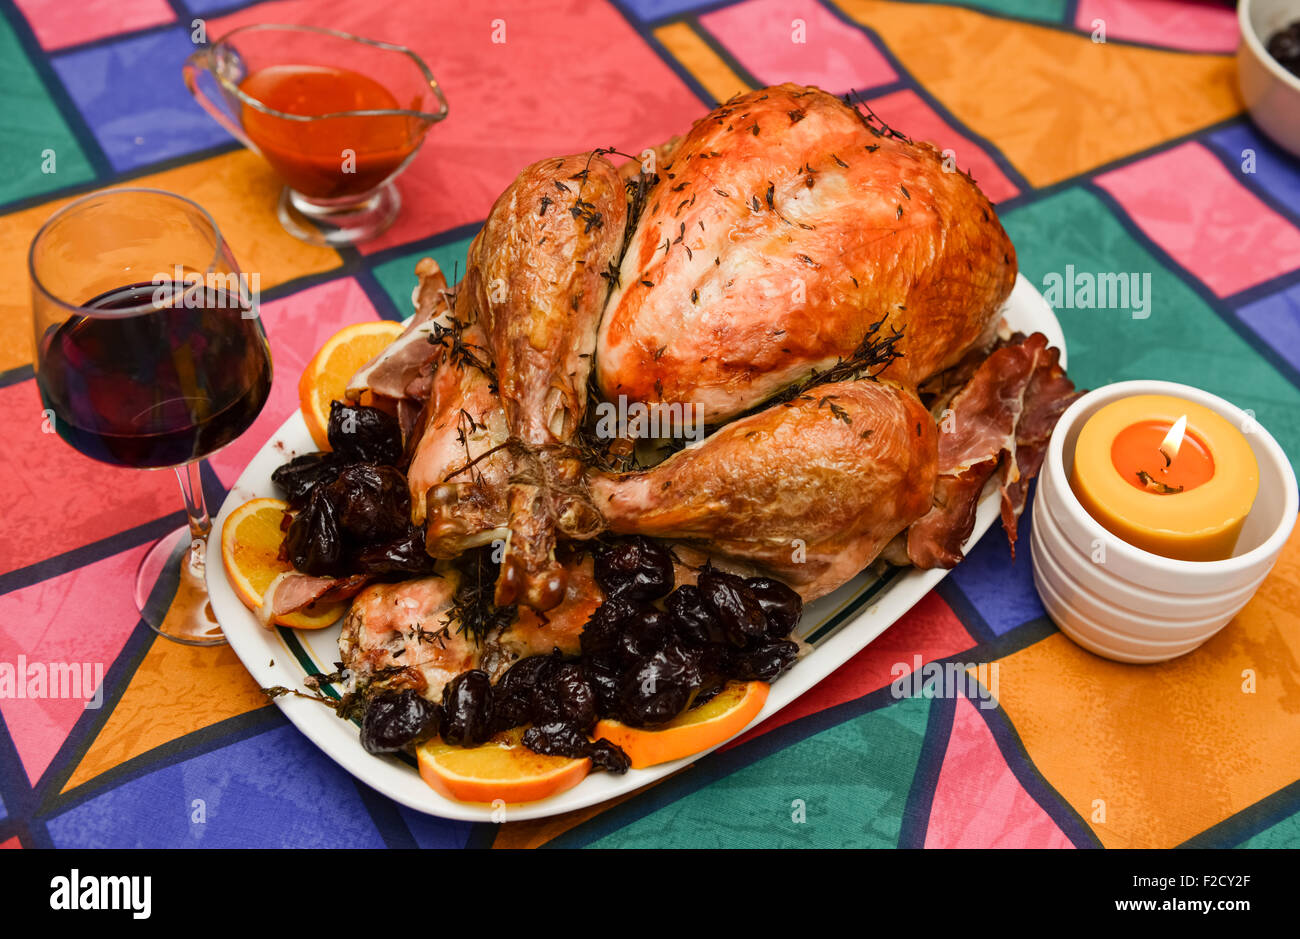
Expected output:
{"points": [[473, 612]]}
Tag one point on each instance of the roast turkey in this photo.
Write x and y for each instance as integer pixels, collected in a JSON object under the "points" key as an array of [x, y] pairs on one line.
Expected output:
{"points": [[818, 291]]}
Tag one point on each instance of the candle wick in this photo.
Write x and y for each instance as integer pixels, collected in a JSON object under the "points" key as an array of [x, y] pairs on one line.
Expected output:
{"points": [[1155, 485]]}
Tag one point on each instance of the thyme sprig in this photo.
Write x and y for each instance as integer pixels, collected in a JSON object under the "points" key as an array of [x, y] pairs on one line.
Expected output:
{"points": [[473, 613], [465, 354], [871, 120], [871, 357]]}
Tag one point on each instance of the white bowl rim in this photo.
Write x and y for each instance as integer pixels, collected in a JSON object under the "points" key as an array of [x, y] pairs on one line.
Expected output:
{"points": [[1054, 465], [1257, 47]]}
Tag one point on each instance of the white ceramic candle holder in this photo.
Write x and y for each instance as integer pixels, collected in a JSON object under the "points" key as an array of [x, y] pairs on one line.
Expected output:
{"points": [[1128, 604]]}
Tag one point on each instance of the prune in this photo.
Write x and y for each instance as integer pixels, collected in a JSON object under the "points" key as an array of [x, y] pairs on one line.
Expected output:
{"points": [[734, 604], [557, 739], [560, 739], [513, 695], [704, 696], [603, 630], [373, 501], [764, 662], [406, 555], [297, 478], [314, 542], [715, 659], [659, 686], [605, 676], [467, 709], [396, 719], [1284, 46], [562, 695], [361, 434], [780, 604], [645, 634], [636, 569], [694, 621], [609, 757]]}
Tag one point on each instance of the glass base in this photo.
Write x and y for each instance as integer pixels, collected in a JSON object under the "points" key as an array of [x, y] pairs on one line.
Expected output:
{"points": [[337, 225], [171, 593]]}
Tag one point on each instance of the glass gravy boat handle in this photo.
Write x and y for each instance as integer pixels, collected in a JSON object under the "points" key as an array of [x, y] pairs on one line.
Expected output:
{"points": [[442, 101], [201, 60]]}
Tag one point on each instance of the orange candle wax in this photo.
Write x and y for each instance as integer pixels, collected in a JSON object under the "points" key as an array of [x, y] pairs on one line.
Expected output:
{"points": [[1138, 457], [1184, 499]]}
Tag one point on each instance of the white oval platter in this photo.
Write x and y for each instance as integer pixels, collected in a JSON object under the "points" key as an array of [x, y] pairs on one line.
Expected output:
{"points": [[838, 626]]}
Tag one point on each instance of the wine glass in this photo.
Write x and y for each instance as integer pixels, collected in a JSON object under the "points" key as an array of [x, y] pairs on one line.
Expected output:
{"points": [[149, 353]]}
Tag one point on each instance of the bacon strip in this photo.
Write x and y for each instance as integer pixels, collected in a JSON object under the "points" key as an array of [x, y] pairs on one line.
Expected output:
{"points": [[294, 591], [1046, 398], [402, 370], [1002, 417]]}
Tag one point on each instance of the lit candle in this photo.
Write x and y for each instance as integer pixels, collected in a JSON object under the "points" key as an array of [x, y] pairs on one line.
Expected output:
{"points": [[1166, 475]]}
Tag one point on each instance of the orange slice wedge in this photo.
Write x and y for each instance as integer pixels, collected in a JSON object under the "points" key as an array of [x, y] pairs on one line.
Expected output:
{"points": [[326, 376], [503, 768], [250, 550], [718, 719]]}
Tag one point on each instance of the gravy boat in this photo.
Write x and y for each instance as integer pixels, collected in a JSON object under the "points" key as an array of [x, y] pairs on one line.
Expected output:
{"points": [[337, 116]]}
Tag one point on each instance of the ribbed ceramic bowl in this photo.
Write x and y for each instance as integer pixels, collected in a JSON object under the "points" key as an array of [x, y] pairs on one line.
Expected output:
{"points": [[1128, 604]]}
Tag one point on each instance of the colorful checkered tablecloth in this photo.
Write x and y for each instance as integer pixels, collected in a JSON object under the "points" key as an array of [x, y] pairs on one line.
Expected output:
{"points": [[1124, 155]]}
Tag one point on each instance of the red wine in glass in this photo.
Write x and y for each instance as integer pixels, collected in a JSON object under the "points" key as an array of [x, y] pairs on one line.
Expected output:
{"points": [[150, 353], [159, 388]]}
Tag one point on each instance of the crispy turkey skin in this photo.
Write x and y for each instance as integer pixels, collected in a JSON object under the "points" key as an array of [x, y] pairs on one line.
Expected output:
{"points": [[811, 490], [783, 226]]}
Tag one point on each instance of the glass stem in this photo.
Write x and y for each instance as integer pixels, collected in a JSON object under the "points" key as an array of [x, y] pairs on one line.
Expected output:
{"points": [[197, 513]]}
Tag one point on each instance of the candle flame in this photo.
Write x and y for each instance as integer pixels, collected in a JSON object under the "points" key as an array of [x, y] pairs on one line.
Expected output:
{"points": [[1173, 441]]}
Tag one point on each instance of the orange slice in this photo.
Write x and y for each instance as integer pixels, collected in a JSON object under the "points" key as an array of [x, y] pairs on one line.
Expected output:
{"points": [[250, 550], [503, 768], [326, 376], [722, 717]]}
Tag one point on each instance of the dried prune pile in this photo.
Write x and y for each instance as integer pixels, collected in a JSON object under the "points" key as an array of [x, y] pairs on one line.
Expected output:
{"points": [[555, 696], [646, 665], [647, 653], [354, 507], [643, 664], [545, 691]]}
